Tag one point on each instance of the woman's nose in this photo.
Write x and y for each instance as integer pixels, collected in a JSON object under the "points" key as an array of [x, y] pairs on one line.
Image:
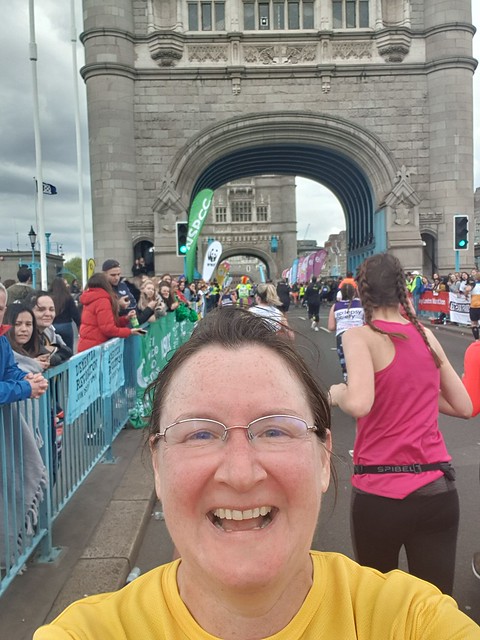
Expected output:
{"points": [[240, 464]]}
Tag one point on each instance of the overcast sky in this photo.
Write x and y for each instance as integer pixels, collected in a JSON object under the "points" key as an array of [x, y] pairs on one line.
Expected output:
{"points": [[55, 79]]}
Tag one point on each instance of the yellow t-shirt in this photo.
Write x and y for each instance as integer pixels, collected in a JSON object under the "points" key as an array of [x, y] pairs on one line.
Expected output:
{"points": [[346, 602]]}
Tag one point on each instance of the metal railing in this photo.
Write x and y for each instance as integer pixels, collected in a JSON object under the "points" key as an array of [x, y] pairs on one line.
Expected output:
{"points": [[44, 457]]}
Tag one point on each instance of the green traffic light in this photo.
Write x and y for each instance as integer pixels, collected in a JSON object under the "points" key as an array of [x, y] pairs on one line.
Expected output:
{"points": [[182, 249], [462, 243]]}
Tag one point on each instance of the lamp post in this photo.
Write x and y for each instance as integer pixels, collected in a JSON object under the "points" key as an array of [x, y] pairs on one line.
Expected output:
{"points": [[32, 236]]}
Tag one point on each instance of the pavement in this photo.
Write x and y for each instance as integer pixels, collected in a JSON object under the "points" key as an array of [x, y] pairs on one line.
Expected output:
{"points": [[98, 535], [459, 329]]}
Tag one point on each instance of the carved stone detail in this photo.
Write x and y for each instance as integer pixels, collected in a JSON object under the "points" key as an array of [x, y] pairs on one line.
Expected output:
{"points": [[139, 226], [326, 84], [394, 52], [205, 53], [349, 50], [166, 48], [402, 200], [402, 214], [280, 54], [431, 217], [236, 86], [393, 44], [169, 207]]}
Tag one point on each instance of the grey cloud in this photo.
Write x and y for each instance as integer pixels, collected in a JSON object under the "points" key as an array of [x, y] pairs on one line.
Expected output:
{"points": [[315, 206]]}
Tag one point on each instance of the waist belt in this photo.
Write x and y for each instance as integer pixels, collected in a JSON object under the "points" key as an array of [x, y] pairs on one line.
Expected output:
{"points": [[446, 467]]}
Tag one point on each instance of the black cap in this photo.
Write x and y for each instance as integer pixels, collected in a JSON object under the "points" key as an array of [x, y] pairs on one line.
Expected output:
{"points": [[110, 264]]}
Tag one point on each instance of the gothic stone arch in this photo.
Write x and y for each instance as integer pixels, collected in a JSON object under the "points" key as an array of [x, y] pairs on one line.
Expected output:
{"points": [[364, 177], [271, 267], [396, 91]]}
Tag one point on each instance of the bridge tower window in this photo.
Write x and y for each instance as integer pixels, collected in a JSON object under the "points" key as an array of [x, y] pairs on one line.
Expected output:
{"points": [[241, 211], [206, 15], [279, 15], [262, 213], [350, 14], [220, 214]]}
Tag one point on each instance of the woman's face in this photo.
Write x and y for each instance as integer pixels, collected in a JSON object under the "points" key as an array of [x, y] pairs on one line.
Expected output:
{"points": [[194, 483], [44, 312], [165, 292], [149, 290], [23, 328]]}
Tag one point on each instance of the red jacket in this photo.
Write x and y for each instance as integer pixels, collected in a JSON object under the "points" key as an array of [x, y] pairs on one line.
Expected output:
{"points": [[98, 322]]}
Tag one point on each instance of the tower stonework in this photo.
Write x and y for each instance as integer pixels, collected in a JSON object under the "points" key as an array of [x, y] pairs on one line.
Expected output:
{"points": [[371, 98]]}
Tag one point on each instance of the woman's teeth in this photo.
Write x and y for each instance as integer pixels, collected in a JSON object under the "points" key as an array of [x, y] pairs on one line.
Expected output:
{"points": [[234, 514], [248, 520]]}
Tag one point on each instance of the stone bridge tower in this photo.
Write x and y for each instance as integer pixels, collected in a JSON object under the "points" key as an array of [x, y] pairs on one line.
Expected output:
{"points": [[372, 98]]}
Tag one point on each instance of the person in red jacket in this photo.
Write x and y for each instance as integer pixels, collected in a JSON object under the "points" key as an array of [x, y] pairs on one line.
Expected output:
{"points": [[100, 319]]}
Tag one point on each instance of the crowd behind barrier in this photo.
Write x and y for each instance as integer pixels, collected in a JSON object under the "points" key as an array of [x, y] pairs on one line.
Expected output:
{"points": [[49, 446]]}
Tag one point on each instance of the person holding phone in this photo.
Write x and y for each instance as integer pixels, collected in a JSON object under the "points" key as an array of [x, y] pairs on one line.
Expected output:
{"points": [[43, 307], [126, 299], [101, 318]]}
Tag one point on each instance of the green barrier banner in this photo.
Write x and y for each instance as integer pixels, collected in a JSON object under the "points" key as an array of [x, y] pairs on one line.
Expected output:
{"points": [[198, 213], [157, 347]]}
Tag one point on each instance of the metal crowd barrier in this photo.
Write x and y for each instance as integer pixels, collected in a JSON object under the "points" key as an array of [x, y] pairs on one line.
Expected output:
{"points": [[44, 459]]}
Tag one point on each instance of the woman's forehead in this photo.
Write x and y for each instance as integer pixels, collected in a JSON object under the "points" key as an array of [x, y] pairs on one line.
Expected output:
{"points": [[246, 362], [44, 301]]}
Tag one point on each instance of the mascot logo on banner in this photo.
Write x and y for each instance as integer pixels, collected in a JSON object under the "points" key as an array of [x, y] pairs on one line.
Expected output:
{"points": [[214, 251]]}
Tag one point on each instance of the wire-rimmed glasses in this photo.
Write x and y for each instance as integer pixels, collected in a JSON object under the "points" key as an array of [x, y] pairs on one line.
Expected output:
{"points": [[267, 432]]}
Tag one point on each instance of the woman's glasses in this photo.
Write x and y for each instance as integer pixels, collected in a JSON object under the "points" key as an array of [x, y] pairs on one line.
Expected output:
{"points": [[267, 432]]}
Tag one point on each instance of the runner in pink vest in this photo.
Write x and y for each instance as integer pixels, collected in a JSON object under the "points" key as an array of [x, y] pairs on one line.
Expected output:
{"points": [[403, 483]]}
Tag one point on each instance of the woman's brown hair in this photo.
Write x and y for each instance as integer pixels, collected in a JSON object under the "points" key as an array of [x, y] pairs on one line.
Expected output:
{"points": [[100, 281], [32, 348], [381, 283], [231, 328]]}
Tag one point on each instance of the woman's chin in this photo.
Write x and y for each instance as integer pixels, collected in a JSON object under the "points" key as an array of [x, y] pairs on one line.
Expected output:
{"points": [[241, 564]]}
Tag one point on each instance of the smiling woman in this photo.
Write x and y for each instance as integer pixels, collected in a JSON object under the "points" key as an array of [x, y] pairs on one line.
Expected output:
{"points": [[43, 307], [241, 474]]}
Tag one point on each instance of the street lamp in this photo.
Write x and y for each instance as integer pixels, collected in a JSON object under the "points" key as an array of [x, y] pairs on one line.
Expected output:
{"points": [[33, 240]]}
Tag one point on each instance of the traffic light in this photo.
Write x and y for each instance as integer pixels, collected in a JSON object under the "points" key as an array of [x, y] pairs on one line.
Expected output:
{"points": [[182, 231], [460, 232]]}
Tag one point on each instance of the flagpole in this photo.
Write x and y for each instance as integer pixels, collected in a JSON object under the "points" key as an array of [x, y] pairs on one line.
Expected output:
{"points": [[78, 137], [38, 148]]}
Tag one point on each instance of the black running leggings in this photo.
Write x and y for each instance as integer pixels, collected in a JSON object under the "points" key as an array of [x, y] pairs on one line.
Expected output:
{"points": [[426, 525]]}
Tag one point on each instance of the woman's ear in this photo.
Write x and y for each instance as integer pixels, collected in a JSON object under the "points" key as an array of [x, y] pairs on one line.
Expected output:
{"points": [[155, 453], [326, 462]]}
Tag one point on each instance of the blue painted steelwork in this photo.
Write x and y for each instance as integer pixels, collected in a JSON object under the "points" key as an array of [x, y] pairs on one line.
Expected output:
{"points": [[68, 453], [23, 484], [336, 171], [380, 231]]}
